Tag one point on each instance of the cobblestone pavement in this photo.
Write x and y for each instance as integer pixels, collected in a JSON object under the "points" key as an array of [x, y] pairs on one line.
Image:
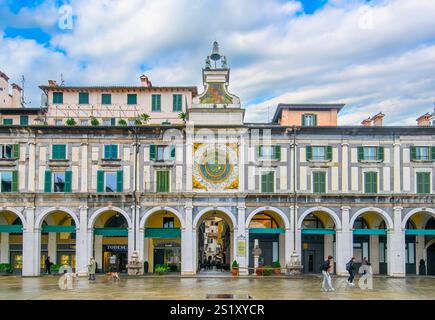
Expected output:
{"points": [[46, 287]]}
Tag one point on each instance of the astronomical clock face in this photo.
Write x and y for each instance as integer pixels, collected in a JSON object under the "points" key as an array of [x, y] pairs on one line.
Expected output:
{"points": [[215, 167]]}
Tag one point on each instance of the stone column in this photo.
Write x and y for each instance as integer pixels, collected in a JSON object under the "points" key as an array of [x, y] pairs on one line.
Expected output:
{"points": [[242, 237], [98, 247], [31, 245], [188, 243], [344, 167], [397, 167], [82, 237], [419, 251], [4, 250], [343, 242], [287, 247], [396, 246], [52, 247], [84, 167], [374, 252], [295, 233]]}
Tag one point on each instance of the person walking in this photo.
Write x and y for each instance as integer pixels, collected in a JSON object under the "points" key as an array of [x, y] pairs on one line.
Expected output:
{"points": [[350, 268], [326, 272], [91, 269], [47, 263]]}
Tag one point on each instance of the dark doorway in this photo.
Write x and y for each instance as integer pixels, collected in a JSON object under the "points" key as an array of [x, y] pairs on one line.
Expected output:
{"points": [[431, 260], [269, 245], [312, 252]]}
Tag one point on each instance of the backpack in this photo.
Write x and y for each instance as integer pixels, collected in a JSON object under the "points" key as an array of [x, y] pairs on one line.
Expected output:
{"points": [[324, 266], [348, 265]]}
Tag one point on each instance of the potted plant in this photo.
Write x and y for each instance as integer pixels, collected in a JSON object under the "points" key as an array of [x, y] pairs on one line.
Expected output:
{"points": [[235, 268], [144, 118], [70, 122], [54, 268], [122, 122], [160, 269], [259, 271], [94, 121], [277, 268], [6, 269], [267, 271], [183, 116]]}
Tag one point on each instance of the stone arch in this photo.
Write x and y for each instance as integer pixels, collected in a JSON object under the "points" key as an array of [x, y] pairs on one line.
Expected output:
{"points": [[273, 209], [389, 222], [332, 214], [431, 242], [96, 214], [204, 211], [17, 213], [150, 212], [44, 214], [414, 211]]}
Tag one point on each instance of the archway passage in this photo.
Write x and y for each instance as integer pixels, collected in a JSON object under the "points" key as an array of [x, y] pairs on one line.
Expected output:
{"points": [[162, 243], [420, 235], [267, 232], [370, 241], [318, 240], [11, 241], [215, 242], [58, 242], [111, 242]]}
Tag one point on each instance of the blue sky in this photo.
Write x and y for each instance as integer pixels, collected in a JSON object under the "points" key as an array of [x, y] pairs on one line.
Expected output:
{"points": [[374, 55]]}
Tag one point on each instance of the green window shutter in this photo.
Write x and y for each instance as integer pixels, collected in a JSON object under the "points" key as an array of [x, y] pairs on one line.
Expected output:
{"points": [[309, 151], [106, 98], [267, 182], [153, 152], [83, 98], [315, 119], [132, 98], [423, 182], [381, 153], [432, 153], [329, 153], [119, 181], [113, 121], [16, 151], [419, 182], [360, 153], [14, 181], [260, 151], [57, 97], [303, 120], [367, 182], [319, 182], [156, 102], [114, 152], [427, 183], [371, 182], [47, 182], [158, 181], [100, 181], [107, 151], [172, 152], [263, 183], [316, 182], [162, 181], [413, 150], [278, 152], [59, 151], [68, 181], [177, 102], [24, 120], [323, 182], [374, 182]]}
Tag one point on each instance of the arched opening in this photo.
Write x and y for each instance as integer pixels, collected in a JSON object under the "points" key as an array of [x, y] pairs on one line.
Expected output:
{"points": [[267, 231], [111, 242], [215, 242], [370, 241], [162, 243], [419, 233], [58, 242], [11, 242], [318, 240]]}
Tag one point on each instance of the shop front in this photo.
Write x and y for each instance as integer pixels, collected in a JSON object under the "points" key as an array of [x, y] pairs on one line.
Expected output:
{"points": [[115, 258], [168, 253], [66, 255], [16, 257]]}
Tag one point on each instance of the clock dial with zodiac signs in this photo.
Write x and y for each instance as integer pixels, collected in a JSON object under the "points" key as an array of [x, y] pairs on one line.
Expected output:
{"points": [[215, 167]]}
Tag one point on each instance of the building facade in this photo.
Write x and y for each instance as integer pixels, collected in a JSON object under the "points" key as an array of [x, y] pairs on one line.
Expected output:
{"points": [[305, 189]]}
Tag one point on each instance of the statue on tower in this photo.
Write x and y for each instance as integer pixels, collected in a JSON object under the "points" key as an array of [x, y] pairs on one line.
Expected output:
{"points": [[224, 62], [207, 63]]}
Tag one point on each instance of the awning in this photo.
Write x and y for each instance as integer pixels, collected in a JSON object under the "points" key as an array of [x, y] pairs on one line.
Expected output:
{"points": [[318, 231], [119, 232], [369, 231], [11, 228], [69, 229], [420, 232], [266, 230]]}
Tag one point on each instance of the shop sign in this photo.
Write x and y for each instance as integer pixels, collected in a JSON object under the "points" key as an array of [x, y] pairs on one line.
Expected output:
{"points": [[116, 247], [241, 248]]}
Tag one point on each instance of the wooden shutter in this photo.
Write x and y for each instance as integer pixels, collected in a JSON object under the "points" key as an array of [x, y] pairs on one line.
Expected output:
{"points": [[315, 182], [153, 152], [14, 186], [16, 151], [309, 151], [374, 182], [360, 153], [432, 153], [423, 182], [278, 152], [68, 181], [260, 151], [47, 182], [114, 152], [107, 151], [381, 153], [100, 181], [413, 151], [172, 152], [329, 153], [314, 119], [303, 120], [119, 181]]}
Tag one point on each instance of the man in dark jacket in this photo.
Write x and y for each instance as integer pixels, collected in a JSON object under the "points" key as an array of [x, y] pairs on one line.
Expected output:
{"points": [[47, 265], [351, 269]]}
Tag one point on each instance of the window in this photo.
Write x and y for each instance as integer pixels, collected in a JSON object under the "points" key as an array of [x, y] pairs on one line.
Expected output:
{"points": [[8, 122], [319, 153], [9, 181], [58, 181], [370, 182], [168, 222], [9, 151], [422, 153], [319, 181], [262, 221], [109, 122], [111, 151], [267, 181], [131, 122], [58, 152], [177, 102], [110, 181], [156, 102], [370, 153], [106, 98], [423, 182], [83, 97], [24, 120], [132, 98], [309, 120], [269, 152], [57, 97], [162, 152], [58, 122], [162, 184], [84, 122]]}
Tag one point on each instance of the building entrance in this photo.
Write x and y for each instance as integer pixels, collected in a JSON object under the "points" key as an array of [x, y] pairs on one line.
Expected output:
{"points": [[115, 258]]}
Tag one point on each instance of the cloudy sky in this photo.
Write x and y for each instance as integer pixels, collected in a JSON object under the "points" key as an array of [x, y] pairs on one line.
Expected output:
{"points": [[373, 56]]}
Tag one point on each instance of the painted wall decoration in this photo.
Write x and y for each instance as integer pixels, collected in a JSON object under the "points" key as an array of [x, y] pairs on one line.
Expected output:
{"points": [[216, 94], [215, 167]]}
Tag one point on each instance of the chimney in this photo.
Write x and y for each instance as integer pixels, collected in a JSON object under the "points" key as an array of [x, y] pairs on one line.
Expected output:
{"points": [[377, 119], [145, 82], [367, 122], [52, 83], [16, 95], [423, 120]]}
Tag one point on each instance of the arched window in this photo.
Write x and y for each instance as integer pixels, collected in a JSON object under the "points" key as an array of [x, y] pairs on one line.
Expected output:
{"points": [[263, 220], [116, 221], [360, 223], [312, 222]]}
